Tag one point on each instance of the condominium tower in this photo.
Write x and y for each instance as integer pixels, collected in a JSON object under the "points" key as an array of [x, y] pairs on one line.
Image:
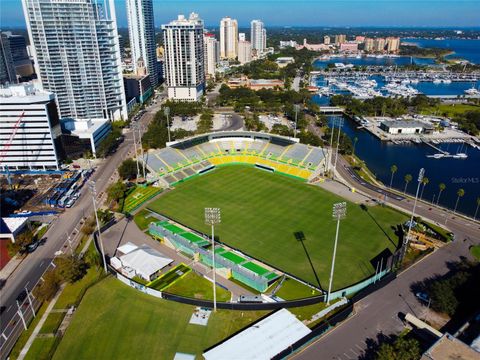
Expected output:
{"points": [[77, 55], [244, 52], [212, 54], [141, 30], [184, 66], [258, 36], [7, 67], [228, 38]]}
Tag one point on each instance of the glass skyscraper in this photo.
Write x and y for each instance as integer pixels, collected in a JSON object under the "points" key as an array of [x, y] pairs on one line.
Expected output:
{"points": [[77, 56]]}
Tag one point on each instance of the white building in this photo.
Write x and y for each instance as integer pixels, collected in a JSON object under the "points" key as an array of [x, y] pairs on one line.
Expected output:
{"points": [[258, 36], [406, 127], [228, 38], [77, 56], [288, 43], [29, 129], [141, 30], [242, 37], [244, 52], [184, 66], [89, 132], [212, 54]]}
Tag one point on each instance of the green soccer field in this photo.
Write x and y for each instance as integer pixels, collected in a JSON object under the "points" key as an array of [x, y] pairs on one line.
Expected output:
{"points": [[262, 211]]}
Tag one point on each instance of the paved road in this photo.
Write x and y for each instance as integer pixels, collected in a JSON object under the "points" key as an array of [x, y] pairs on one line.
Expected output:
{"points": [[29, 271], [378, 312], [235, 123]]}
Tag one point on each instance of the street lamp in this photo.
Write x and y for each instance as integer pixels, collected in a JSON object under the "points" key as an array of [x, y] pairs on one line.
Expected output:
{"points": [[166, 111], [212, 217], [296, 107], [94, 193], [421, 174], [339, 212]]}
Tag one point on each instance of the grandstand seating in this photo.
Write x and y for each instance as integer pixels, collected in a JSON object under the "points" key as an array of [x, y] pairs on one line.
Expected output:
{"points": [[174, 164]]}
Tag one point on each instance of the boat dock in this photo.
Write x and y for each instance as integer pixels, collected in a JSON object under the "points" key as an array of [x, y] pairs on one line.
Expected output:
{"points": [[435, 147]]}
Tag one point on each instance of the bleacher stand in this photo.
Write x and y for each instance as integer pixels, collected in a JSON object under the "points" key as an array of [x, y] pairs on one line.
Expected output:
{"points": [[192, 156]]}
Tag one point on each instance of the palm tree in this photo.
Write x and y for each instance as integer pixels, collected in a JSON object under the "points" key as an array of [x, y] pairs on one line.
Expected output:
{"points": [[425, 181], [460, 193], [393, 170], [355, 139], [476, 210], [407, 178], [442, 187]]}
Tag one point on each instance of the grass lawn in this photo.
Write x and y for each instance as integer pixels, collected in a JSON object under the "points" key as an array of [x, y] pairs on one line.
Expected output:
{"points": [[52, 323], [142, 219], [195, 286], [475, 251], [40, 349], [262, 211], [292, 289], [72, 292], [169, 277], [450, 110], [138, 196], [115, 321]]}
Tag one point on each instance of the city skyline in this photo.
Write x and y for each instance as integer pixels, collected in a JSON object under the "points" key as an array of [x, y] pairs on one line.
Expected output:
{"points": [[339, 13]]}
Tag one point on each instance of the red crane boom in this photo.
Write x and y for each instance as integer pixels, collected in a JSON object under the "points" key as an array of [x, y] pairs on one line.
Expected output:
{"points": [[12, 135]]}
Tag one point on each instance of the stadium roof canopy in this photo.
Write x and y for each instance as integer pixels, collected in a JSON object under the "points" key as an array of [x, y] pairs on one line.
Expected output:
{"points": [[262, 340]]}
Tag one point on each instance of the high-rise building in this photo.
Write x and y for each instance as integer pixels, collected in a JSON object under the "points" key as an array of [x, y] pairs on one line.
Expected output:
{"points": [[264, 36], [379, 45], [36, 144], [257, 36], [242, 37], [7, 67], [340, 39], [184, 66], [21, 61], [212, 54], [368, 44], [77, 56], [393, 44], [141, 30], [244, 52], [228, 38], [326, 40]]}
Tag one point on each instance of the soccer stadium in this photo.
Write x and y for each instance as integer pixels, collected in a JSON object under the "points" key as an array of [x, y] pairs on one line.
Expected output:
{"points": [[275, 219]]}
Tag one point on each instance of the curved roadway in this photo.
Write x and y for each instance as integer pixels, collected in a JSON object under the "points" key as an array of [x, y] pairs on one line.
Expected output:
{"points": [[378, 312]]}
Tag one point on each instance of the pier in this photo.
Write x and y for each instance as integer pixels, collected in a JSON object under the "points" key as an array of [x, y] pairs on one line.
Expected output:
{"points": [[331, 110], [434, 147]]}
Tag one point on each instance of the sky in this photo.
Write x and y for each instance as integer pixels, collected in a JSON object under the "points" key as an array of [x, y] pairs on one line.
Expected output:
{"points": [[331, 13]]}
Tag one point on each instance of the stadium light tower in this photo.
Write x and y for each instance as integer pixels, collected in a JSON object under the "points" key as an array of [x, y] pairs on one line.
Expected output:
{"points": [[339, 213], [93, 190], [213, 217], [340, 124], [406, 240], [166, 111]]}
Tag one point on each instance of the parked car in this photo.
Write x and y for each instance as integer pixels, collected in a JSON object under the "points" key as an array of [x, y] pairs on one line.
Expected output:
{"points": [[33, 246], [422, 296]]}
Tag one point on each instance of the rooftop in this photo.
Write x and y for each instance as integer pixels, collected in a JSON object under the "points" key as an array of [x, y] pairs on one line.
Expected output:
{"points": [[450, 348]]}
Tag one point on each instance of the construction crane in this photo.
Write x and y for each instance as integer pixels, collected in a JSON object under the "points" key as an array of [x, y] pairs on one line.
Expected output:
{"points": [[7, 145]]}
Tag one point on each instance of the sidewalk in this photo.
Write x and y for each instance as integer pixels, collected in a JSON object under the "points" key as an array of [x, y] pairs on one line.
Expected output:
{"points": [[10, 267], [35, 332]]}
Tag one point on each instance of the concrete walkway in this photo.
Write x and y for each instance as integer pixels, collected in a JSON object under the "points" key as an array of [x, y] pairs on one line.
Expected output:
{"points": [[10, 267], [35, 332]]}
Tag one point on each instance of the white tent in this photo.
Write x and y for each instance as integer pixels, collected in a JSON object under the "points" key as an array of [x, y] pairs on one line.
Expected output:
{"points": [[127, 248], [262, 340], [145, 261]]}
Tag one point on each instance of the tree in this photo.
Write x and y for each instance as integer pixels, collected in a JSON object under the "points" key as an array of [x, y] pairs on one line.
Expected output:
{"points": [[393, 170], [71, 268], [476, 210], [441, 187], [128, 169], [460, 193], [116, 191], [49, 287], [401, 349], [407, 179], [104, 215], [425, 182]]}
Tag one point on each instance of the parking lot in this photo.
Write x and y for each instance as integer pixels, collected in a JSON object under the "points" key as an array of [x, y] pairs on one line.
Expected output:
{"points": [[272, 119]]}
